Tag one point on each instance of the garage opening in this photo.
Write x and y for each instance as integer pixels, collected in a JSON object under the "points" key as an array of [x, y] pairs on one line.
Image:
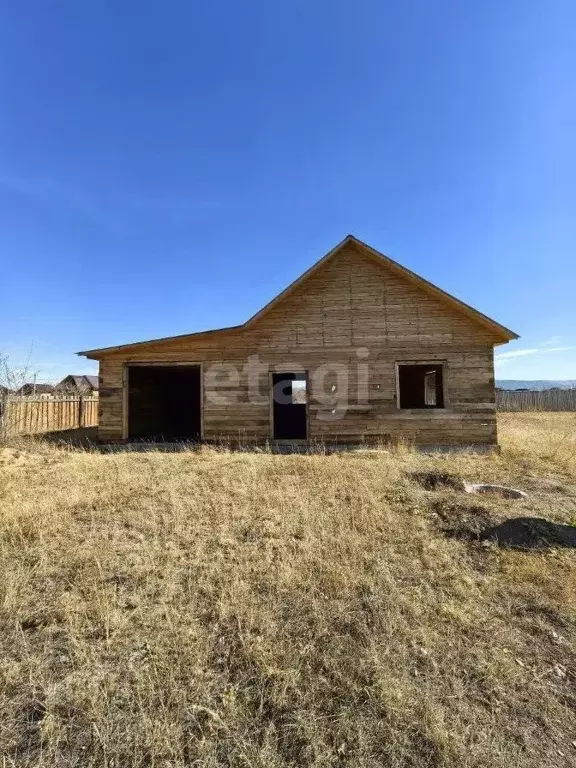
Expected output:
{"points": [[164, 402], [421, 386], [289, 406]]}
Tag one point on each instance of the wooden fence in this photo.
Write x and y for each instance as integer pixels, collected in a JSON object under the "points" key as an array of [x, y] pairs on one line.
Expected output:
{"points": [[34, 415], [545, 400]]}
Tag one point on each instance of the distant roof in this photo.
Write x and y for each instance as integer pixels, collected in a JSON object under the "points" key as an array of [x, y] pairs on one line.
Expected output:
{"points": [[40, 389], [81, 381]]}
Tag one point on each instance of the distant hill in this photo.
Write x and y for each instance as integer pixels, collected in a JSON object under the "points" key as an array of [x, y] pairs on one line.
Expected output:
{"points": [[536, 384]]}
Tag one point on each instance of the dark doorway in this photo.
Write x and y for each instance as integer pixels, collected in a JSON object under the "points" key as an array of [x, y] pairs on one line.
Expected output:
{"points": [[164, 402], [289, 404], [421, 386]]}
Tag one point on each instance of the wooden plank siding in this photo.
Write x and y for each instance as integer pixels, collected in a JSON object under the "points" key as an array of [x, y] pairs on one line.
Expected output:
{"points": [[545, 400], [351, 311], [34, 415]]}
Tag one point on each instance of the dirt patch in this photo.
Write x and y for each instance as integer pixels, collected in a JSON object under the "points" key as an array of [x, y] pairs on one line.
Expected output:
{"points": [[531, 533], [433, 481], [462, 521]]}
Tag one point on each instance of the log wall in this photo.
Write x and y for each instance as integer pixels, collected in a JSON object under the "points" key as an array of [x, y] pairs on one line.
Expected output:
{"points": [[348, 325]]}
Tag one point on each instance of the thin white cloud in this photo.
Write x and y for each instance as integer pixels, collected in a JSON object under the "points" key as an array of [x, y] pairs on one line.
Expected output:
{"points": [[505, 356], [553, 341], [516, 353]]}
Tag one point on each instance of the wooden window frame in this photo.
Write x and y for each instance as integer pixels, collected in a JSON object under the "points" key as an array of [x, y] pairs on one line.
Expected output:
{"points": [[443, 363]]}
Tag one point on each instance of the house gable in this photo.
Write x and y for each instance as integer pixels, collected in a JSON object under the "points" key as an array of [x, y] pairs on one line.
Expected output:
{"points": [[353, 300], [354, 295], [356, 254]]}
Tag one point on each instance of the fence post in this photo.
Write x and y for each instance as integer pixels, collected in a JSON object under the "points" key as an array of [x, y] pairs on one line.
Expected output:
{"points": [[3, 415], [80, 410]]}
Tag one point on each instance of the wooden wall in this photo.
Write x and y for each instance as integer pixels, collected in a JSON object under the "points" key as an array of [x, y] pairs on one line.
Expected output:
{"points": [[351, 312]]}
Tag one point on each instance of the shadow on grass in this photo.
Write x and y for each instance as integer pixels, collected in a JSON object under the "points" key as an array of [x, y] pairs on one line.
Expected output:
{"points": [[475, 523], [531, 533], [86, 437]]}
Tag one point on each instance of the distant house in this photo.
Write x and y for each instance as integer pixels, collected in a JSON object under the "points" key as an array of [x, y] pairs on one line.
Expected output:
{"points": [[39, 390], [4, 392], [78, 385]]}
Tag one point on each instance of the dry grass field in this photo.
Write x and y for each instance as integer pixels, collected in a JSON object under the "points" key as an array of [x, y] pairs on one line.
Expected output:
{"points": [[247, 609]]}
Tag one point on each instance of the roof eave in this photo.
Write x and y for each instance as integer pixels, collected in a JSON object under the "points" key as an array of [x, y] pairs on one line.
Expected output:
{"points": [[96, 354]]}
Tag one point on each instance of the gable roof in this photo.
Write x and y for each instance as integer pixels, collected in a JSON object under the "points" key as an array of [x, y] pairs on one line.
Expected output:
{"points": [[81, 381], [31, 388], [501, 332]]}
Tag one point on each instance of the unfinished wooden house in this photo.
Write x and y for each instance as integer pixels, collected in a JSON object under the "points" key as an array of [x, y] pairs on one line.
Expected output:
{"points": [[357, 349]]}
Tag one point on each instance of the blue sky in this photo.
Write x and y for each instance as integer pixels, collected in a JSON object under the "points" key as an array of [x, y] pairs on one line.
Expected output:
{"points": [[169, 167]]}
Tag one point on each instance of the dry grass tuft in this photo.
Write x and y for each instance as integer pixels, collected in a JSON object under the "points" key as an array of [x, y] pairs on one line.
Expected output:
{"points": [[247, 609]]}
